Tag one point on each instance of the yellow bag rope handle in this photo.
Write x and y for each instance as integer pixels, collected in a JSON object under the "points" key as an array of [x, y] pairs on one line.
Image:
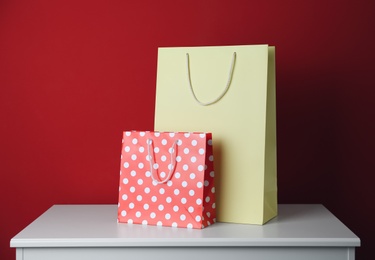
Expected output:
{"points": [[226, 87]]}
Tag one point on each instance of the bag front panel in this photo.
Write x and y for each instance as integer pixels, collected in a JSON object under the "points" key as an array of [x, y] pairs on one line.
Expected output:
{"points": [[147, 160], [238, 121]]}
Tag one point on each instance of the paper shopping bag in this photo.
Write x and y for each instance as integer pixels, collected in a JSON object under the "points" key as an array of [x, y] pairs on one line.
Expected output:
{"points": [[229, 91], [167, 179]]}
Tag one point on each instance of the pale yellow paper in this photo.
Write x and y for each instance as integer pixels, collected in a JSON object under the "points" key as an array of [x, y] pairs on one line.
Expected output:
{"points": [[243, 122]]}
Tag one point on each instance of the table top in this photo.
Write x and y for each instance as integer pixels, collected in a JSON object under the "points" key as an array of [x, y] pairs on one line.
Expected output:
{"points": [[296, 225]]}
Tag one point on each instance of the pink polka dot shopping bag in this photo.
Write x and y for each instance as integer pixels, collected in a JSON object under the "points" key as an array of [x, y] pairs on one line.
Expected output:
{"points": [[167, 179]]}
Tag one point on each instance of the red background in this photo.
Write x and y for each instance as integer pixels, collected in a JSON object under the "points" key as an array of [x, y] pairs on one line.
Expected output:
{"points": [[75, 74]]}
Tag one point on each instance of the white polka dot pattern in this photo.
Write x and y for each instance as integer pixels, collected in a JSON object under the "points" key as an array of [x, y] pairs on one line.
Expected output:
{"points": [[187, 199]]}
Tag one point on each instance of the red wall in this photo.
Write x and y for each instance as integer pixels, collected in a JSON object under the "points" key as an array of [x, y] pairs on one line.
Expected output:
{"points": [[75, 74]]}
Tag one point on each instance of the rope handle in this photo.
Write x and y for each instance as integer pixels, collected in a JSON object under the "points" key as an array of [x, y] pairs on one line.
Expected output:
{"points": [[172, 151], [230, 76]]}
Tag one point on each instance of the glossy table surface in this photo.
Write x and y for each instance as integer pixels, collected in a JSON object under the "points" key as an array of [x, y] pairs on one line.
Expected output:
{"points": [[297, 225]]}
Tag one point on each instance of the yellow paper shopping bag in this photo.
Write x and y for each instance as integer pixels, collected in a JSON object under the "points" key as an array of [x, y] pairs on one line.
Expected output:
{"points": [[229, 91]]}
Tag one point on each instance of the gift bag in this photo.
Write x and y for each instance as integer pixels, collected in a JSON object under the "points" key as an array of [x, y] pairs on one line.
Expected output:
{"points": [[167, 179], [230, 92]]}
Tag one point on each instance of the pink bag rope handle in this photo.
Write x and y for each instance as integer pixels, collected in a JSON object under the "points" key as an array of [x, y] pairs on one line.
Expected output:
{"points": [[230, 76], [172, 151]]}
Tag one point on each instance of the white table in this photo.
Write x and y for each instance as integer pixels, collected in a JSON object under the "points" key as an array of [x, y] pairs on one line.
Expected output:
{"points": [[307, 232]]}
